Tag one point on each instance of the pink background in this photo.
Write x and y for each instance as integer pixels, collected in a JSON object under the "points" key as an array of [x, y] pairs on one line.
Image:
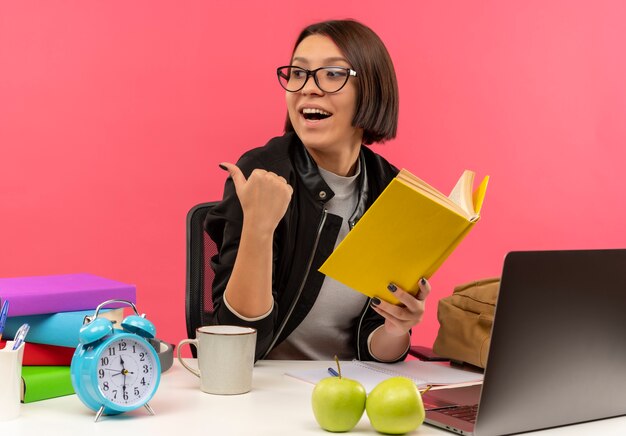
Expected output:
{"points": [[114, 116]]}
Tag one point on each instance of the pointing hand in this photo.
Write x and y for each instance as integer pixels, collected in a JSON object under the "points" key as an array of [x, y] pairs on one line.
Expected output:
{"points": [[264, 196]]}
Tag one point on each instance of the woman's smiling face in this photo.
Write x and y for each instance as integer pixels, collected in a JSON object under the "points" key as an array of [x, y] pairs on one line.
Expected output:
{"points": [[323, 121]]}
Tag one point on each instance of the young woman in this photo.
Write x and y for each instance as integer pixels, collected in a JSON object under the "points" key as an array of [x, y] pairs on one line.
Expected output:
{"points": [[287, 204]]}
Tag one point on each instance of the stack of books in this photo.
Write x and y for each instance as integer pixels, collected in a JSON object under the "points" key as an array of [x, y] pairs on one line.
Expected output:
{"points": [[55, 308]]}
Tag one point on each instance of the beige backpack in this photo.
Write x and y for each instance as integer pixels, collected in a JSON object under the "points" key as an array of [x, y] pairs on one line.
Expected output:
{"points": [[465, 320]]}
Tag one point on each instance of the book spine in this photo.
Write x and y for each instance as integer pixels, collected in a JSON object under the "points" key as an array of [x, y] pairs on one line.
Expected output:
{"points": [[45, 355], [44, 382], [26, 304], [60, 329]]}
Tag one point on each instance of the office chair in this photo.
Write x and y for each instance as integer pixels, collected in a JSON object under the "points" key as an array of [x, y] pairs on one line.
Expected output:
{"points": [[200, 249]]}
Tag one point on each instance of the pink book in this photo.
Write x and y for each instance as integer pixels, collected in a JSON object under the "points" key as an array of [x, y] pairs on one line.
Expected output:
{"points": [[62, 293]]}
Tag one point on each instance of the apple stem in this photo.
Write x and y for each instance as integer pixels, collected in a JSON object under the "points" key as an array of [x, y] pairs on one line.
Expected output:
{"points": [[338, 366]]}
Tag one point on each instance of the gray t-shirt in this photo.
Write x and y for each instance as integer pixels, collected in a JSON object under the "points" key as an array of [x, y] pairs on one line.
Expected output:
{"points": [[328, 328]]}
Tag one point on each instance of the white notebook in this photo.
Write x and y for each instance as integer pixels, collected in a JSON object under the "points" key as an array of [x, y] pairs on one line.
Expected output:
{"points": [[369, 374]]}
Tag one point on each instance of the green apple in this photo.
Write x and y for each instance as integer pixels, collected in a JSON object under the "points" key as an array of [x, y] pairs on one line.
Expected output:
{"points": [[338, 403], [395, 406]]}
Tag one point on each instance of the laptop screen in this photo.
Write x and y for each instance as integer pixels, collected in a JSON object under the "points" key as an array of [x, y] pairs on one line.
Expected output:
{"points": [[558, 347]]}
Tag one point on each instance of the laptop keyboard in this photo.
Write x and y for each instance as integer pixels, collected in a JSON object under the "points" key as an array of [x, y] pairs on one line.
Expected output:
{"points": [[465, 413]]}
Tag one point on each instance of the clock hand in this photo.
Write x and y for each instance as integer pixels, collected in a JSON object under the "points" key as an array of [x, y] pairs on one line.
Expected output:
{"points": [[123, 372]]}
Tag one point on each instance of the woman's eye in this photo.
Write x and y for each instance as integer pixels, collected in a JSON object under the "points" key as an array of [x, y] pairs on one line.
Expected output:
{"points": [[335, 74], [298, 74]]}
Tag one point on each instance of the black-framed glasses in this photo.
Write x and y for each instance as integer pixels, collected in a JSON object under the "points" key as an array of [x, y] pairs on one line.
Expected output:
{"points": [[328, 79]]}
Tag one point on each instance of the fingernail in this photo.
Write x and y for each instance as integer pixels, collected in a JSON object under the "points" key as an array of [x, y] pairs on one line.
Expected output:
{"points": [[423, 281], [375, 301], [392, 287], [223, 167]]}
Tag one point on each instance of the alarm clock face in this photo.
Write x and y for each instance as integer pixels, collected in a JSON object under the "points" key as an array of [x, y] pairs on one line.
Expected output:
{"points": [[127, 372]]}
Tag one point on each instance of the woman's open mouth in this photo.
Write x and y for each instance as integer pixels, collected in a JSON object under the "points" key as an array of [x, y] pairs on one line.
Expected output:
{"points": [[314, 114]]}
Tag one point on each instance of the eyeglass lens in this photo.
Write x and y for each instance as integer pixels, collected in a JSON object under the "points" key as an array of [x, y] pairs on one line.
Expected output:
{"points": [[328, 79]]}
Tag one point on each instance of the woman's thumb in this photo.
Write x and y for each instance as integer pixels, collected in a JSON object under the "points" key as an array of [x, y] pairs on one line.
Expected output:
{"points": [[235, 173]]}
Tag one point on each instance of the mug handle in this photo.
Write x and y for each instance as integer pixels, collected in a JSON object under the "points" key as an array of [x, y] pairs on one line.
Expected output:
{"points": [[193, 342]]}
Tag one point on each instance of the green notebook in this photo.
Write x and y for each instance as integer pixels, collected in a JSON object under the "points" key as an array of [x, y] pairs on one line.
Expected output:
{"points": [[44, 382]]}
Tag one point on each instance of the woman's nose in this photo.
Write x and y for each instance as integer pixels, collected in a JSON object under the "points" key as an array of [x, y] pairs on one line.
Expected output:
{"points": [[310, 87]]}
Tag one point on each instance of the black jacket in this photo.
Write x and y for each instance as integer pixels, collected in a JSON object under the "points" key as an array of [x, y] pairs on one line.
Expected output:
{"points": [[303, 239]]}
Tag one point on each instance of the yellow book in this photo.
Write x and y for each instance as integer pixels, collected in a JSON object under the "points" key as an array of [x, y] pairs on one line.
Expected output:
{"points": [[407, 234]]}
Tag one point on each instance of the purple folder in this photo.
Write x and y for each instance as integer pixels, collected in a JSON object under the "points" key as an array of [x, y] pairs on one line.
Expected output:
{"points": [[62, 293]]}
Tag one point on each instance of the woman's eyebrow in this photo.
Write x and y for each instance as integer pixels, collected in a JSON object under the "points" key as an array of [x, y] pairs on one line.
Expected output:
{"points": [[325, 60]]}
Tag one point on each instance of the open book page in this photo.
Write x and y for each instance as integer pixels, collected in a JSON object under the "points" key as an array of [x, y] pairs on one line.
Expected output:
{"points": [[458, 201], [463, 196], [462, 192], [369, 374]]}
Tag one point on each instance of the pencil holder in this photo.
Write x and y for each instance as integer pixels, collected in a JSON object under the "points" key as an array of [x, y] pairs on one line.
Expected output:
{"points": [[10, 381]]}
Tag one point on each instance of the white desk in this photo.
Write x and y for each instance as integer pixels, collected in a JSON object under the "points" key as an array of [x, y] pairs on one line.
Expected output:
{"points": [[277, 405]]}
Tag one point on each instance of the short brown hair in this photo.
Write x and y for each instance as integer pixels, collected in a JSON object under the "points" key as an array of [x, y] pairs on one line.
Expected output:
{"points": [[377, 87]]}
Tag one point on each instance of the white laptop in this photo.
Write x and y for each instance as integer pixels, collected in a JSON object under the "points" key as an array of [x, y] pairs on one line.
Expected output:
{"points": [[558, 347]]}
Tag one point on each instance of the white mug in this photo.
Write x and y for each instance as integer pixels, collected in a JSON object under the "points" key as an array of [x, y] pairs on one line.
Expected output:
{"points": [[225, 358]]}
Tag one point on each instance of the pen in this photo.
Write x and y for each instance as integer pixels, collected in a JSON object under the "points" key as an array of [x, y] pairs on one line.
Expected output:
{"points": [[333, 372], [3, 315], [20, 335], [426, 390]]}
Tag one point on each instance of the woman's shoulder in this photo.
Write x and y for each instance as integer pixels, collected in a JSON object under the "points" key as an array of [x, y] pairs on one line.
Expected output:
{"points": [[273, 156], [378, 165]]}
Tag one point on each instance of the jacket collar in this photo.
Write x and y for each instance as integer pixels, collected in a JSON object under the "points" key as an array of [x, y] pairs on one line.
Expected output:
{"points": [[309, 174]]}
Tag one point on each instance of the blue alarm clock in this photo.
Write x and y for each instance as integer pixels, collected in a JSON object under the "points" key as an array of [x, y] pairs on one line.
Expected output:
{"points": [[115, 371]]}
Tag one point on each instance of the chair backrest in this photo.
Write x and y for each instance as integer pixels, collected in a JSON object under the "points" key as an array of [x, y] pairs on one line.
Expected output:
{"points": [[200, 249]]}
